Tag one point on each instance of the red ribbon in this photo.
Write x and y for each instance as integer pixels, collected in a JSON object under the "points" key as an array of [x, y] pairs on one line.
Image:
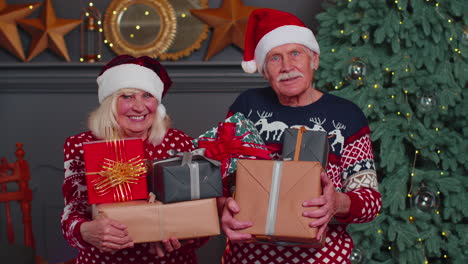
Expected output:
{"points": [[227, 146]]}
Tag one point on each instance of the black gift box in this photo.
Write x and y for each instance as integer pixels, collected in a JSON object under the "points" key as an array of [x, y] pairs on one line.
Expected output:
{"points": [[173, 180], [314, 146]]}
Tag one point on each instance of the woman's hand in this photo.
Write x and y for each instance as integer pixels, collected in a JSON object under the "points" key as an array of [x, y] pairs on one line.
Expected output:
{"points": [[106, 234], [330, 203], [167, 246], [230, 225]]}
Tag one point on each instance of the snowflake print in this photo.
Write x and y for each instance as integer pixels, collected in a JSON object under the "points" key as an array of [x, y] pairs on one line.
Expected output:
{"points": [[76, 166]]}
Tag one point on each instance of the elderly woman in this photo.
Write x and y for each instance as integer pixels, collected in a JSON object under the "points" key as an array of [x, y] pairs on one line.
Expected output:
{"points": [[130, 93]]}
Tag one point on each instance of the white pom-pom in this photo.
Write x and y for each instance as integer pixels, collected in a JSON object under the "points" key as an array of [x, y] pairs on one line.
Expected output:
{"points": [[249, 66], [161, 111]]}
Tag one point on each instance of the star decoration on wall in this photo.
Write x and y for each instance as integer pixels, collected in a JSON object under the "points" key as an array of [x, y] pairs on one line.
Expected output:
{"points": [[48, 31], [228, 22], [9, 36]]}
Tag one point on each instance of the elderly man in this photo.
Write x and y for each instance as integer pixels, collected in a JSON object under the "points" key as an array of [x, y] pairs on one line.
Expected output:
{"points": [[285, 51]]}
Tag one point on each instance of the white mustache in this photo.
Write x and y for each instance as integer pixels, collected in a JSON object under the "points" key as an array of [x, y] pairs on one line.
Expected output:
{"points": [[289, 75]]}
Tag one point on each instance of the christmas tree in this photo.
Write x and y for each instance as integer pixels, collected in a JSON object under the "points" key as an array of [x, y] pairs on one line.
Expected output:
{"points": [[405, 64]]}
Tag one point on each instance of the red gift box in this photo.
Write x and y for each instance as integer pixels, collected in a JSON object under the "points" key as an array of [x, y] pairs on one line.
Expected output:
{"points": [[115, 171]]}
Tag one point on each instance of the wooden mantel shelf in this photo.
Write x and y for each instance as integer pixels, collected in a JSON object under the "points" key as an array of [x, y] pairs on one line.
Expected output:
{"points": [[208, 77]]}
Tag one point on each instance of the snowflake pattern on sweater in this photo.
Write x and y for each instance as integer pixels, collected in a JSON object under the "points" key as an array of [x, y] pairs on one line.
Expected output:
{"points": [[77, 209], [350, 167]]}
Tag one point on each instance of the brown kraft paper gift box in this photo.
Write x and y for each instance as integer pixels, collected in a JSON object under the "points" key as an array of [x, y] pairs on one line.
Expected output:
{"points": [[300, 181], [150, 222]]}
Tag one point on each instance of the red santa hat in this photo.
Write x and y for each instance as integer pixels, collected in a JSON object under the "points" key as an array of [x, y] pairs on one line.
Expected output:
{"points": [[143, 73], [269, 28]]}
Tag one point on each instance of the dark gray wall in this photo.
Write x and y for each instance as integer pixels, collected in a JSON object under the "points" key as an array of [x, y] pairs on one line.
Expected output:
{"points": [[44, 101]]}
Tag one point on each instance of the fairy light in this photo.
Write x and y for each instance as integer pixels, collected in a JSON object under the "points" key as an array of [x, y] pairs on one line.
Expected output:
{"points": [[369, 106], [365, 37], [456, 50], [111, 45], [420, 240], [379, 231], [132, 36], [99, 56], [443, 233], [137, 27], [87, 14], [437, 4], [332, 50], [411, 218], [408, 114], [376, 86], [401, 22], [393, 73], [406, 91], [438, 151], [81, 59], [441, 173], [409, 195], [342, 31], [398, 113], [91, 4], [451, 39], [387, 69], [114, 12], [445, 256], [443, 107], [393, 96], [31, 6], [389, 247], [449, 20], [412, 174], [183, 15], [437, 129], [105, 41], [416, 152]]}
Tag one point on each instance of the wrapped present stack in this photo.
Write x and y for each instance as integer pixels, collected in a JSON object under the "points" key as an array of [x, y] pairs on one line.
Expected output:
{"points": [[270, 193], [117, 180], [235, 138]]}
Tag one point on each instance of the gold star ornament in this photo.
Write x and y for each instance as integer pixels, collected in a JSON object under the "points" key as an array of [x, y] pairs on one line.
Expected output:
{"points": [[9, 37], [48, 31], [228, 22]]}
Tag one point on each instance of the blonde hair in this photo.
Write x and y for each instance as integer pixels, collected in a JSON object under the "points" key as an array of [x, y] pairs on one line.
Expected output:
{"points": [[103, 123]]}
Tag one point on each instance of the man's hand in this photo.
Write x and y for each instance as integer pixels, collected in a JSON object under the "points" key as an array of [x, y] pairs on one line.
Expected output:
{"points": [[167, 246], [106, 234], [230, 225], [329, 204]]}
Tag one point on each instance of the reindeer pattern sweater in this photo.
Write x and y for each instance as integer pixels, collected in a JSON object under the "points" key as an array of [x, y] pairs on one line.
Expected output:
{"points": [[77, 209], [350, 167]]}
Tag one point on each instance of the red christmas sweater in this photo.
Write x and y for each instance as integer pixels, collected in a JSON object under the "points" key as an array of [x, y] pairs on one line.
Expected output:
{"points": [[77, 209], [350, 167]]}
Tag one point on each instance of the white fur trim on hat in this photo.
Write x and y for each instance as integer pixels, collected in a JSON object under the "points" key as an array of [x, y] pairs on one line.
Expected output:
{"points": [[249, 66], [129, 75], [284, 35]]}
